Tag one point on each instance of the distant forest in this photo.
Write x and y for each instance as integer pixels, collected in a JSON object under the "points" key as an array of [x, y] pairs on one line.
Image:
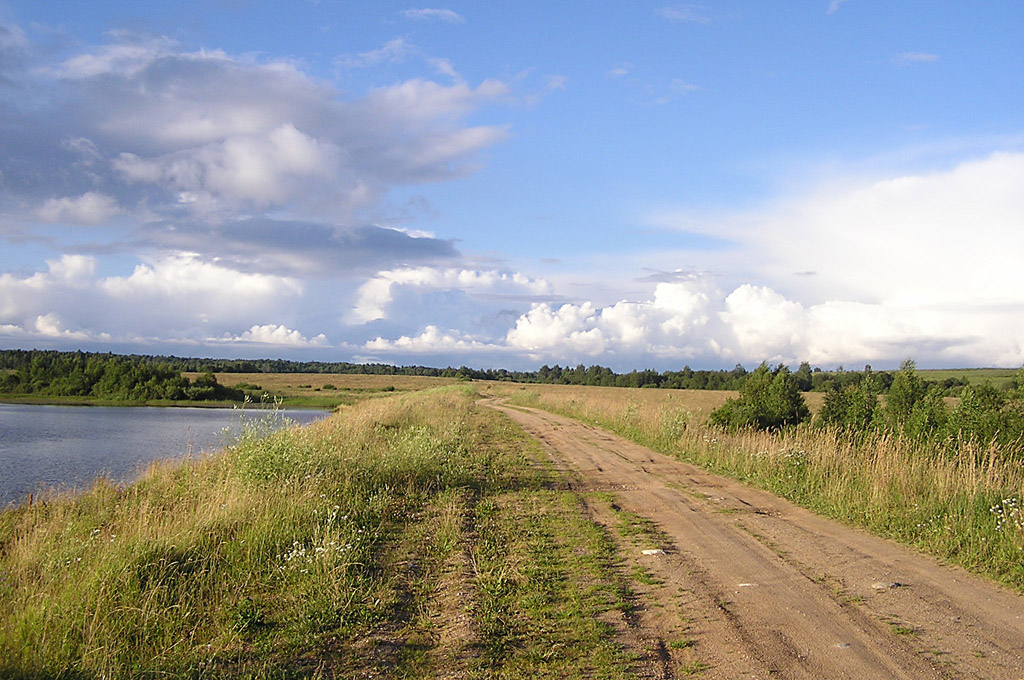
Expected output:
{"points": [[105, 376], [140, 377]]}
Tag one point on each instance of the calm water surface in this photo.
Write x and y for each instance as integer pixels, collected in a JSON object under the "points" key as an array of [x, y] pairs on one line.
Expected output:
{"points": [[70, 446]]}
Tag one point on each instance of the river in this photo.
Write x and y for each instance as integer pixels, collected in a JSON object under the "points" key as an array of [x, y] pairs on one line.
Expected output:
{"points": [[70, 446]]}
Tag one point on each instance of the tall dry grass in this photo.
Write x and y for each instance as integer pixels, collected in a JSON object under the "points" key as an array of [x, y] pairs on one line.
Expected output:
{"points": [[961, 504]]}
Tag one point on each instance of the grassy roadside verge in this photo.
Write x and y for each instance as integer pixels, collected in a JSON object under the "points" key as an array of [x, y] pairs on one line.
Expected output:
{"points": [[411, 536], [963, 507]]}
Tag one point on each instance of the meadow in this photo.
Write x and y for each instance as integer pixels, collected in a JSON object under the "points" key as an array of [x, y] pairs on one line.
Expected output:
{"points": [[960, 503], [323, 390], [415, 535]]}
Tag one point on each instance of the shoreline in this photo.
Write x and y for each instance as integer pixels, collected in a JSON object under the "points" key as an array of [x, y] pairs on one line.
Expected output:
{"points": [[31, 400]]}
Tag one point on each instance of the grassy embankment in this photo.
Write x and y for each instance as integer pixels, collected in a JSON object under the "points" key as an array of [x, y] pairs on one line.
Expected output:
{"points": [[964, 506], [418, 535]]}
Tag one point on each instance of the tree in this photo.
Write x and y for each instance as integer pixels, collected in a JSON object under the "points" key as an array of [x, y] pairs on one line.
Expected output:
{"points": [[804, 377], [767, 401], [906, 391]]}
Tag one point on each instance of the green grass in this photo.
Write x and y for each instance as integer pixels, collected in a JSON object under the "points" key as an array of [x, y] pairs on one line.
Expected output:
{"points": [[997, 377], [409, 536]]}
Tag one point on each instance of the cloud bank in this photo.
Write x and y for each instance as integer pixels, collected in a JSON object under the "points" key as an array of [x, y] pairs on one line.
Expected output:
{"points": [[203, 151], [853, 272]]}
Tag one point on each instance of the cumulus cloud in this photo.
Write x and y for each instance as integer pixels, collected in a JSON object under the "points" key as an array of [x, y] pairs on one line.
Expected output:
{"points": [[695, 323], [165, 138], [186, 274], [834, 6], [173, 298], [51, 326], [274, 334], [251, 170], [375, 296], [431, 341], [856, 271], [89, 208]]}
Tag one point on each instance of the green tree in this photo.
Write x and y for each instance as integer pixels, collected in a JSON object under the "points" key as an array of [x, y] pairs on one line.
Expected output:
{"points": [[768, 400], [906, 391]]}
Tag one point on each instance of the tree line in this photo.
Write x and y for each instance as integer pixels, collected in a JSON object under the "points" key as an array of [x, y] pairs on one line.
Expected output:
{"points": [[105, 376], [149, 377], [903, 404]]}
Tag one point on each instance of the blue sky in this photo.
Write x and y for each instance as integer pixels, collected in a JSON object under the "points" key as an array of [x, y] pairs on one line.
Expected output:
{"points": [[512, 184]]}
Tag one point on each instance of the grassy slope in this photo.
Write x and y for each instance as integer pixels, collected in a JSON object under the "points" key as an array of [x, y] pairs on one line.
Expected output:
{"points": [[964, 506], [412, 536]]}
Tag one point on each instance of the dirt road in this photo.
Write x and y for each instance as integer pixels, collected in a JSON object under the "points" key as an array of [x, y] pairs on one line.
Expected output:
{"points": [[773, 591]]}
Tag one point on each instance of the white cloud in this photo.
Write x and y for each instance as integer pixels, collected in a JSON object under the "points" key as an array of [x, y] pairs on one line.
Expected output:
{"points": [[916, 57], [177, 298], [167, 132], [393, 51], [569, 328], [431, 341], [696, 14], [855, 271], [680, 85], [446, 15], [374, 297], [72, 270], [763, 322], [125, 59], [274, 334], [938, 238], [89, 208], [186, 274], [51, 326], [834, 5], [555, 82], [257, 170], [621, 70]]}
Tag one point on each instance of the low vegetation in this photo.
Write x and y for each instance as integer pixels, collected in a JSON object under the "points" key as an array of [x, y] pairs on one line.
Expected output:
{"points": [[410, 536]]}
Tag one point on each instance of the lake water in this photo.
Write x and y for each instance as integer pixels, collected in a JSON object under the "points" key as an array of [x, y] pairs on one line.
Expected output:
{"points": [[70, 446]]}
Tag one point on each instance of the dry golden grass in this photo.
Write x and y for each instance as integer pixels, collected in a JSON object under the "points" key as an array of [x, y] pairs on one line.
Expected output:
{"points": [[960, 501], [613, 399]]}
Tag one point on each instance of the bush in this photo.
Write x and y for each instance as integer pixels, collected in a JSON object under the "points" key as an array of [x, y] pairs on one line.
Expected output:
{"points": [[854, 407], [768, 401]]}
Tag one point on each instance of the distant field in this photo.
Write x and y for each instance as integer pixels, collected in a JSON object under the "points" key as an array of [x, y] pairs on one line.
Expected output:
{"points": [[701, 402], [997, 377], [328, 389]]}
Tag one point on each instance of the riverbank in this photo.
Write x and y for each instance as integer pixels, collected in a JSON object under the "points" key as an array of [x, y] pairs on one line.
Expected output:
{"points": [[318, 403], [418, 534]]}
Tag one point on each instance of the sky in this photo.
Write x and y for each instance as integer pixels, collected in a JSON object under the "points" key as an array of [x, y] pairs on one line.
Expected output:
{"points": [[511, 184]]}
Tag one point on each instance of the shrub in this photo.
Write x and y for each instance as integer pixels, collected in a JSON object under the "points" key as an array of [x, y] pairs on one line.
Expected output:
{"points": [[768, 401]]}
